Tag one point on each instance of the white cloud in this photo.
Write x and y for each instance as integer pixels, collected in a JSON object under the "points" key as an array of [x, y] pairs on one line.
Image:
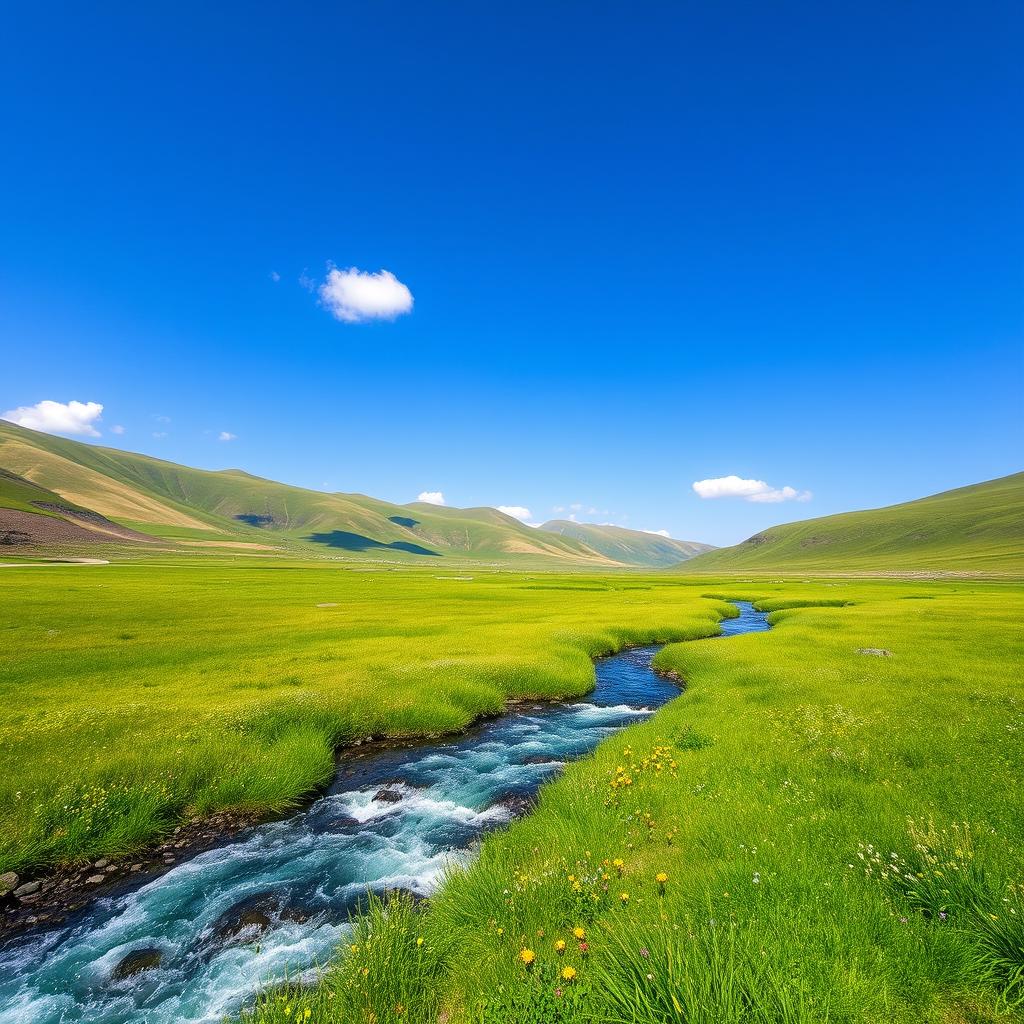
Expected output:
{"points": [[658, 533], [58, 417], [117, 429], [158, 434], [516, 512], [225, 435], [748, 490], [431, 497], [275, 276], [355, 296]]}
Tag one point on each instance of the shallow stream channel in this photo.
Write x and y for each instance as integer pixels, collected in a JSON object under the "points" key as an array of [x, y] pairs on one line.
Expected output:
{"points": [[200, 941]]}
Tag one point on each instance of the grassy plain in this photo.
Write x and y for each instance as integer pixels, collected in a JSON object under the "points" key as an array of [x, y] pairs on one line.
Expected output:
{"points": [[132, 696], [841, 833], [841, 836]]}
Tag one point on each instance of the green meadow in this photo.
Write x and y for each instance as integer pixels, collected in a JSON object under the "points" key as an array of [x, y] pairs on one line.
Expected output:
{"points": [[807, 834], [838, 835]]}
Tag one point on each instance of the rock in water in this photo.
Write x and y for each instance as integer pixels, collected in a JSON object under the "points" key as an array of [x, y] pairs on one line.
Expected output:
{"points": [[136, 961], [387, 796], [253, 916]]}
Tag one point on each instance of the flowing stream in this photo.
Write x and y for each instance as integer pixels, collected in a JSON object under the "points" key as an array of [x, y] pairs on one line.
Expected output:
{"points": [[211, 932]]}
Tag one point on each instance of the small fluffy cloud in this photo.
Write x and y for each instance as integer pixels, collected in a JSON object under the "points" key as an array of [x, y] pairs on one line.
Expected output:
{"points": [[355, 296], [58, 417], [117, 429], [275, 276], [748, 490], [516, 512], [226, 435], [658, 533], [431, 497]]}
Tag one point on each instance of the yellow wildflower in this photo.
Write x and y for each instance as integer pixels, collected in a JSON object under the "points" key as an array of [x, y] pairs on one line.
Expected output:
{"points": [[527, 956], [568, 973], [579, 933], [560, 945], [624, 897], [661, 878]]}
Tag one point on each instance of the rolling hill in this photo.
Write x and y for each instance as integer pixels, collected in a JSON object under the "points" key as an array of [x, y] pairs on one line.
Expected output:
{"points": [[635, 547], [107, 495], [979, 528]]}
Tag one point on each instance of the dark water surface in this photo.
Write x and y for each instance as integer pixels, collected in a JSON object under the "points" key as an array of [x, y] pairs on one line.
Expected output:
{"points": [[276, 899]]}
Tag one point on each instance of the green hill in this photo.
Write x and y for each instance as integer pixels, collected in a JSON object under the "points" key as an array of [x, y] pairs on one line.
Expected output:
{"points": [[971, 529], [231, 509], [634, 547]]}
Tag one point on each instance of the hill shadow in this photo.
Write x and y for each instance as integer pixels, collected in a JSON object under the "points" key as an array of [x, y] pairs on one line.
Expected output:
{"points": [[357, 542], [252, 519], [404, 521]]}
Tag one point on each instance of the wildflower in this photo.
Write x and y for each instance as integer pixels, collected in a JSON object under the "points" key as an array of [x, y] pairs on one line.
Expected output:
{"points": [[527, 956], [661, 878], [354, 948], [618, 863], [419, 940], [644, 951], [568, 973], [583, 948], [623, 897], [579, 933], [307, 1013], [501, 931], [288, 1011], [560, 945]]}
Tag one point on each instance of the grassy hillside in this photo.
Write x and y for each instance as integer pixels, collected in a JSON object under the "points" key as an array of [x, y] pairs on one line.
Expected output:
{"points": [[194, 508], [18, 493], [634, 547], [971, 529]]}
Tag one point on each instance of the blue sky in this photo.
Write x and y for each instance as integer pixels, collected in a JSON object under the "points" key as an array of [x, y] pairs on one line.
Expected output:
{"points": [[646, 245]]}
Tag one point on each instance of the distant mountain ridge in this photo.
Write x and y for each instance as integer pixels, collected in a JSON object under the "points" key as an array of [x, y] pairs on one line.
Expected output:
{"points": [[979, 528], [631, 546], [104, 495]]}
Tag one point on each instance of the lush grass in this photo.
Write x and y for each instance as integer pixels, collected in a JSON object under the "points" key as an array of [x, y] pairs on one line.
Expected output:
{"points": [[131, 696], [842, 835], [977, 529]]}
